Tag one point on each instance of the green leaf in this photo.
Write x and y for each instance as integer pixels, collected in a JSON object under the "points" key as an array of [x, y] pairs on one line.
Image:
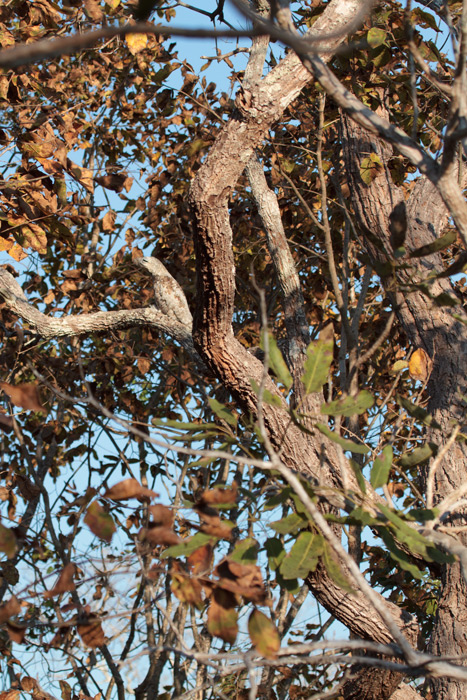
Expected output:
{"points": [[376, 37], [417, 412], [291, 523], [422, 515], [415, 541], [290, 585], [268, 397], [362, 517], [334, 570], [381, 57], [425, 19], [277, 362], [278, 498], [245, 551], [399, 556], [370, 168], [349, 406], [275, 552], [435, 246], [223, 412], [191, 544], [418, 455], [381, 468], [445, 299], [318, 361], [345, 444], [303, 557], [358, 475]]}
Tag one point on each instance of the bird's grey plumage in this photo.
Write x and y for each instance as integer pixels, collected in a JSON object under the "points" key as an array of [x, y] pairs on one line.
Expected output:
{"points": [[168, 295], [9, 287]]}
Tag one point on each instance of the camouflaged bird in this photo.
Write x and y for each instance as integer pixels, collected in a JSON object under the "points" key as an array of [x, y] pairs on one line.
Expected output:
{"points": [[168, 295]]}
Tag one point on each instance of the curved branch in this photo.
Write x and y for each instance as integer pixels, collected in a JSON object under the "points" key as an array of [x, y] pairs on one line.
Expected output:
{"points": [[48, 327]]}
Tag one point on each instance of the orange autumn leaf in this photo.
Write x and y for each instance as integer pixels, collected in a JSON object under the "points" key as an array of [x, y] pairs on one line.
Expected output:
{"points": [[23, 395], [420, 365], [12, 694]]}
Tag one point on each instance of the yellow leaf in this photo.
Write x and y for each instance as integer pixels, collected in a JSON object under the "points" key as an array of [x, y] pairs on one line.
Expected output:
{"points": [[136, 42], [399, 366], [17, 253], [6, 244], [420, 365], [34, 237], [263, 634]]}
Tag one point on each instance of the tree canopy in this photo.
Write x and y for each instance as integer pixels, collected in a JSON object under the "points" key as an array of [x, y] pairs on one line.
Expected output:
{"points": [[233, 350]]}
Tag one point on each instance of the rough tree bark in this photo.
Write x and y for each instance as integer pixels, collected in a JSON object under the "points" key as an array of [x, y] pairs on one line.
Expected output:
{"points": [[438, 332]]}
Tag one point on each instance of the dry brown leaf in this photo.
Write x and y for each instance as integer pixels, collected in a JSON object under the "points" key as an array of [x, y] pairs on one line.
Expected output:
{"points": [[91, 632], [64, 582], [100, 522], [242, 579], [397, 488], [213, 525], [28, 684], [161, 515], [222, 616], [113, 181], [184, 586], [108, 222], [93, 9], [17, 252], [6, 423], [16, 632], [82, 175], [8, 542], [263, 634], [9, 609], [221, 496], [12, 694], [420, 365], [23, 395], [144, 364], [34, 237], [27, 489], [200, 561], [159, 535], [129, 488]]}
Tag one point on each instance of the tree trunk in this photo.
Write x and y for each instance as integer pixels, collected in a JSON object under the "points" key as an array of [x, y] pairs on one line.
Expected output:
{"points": [[439, 333]]}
